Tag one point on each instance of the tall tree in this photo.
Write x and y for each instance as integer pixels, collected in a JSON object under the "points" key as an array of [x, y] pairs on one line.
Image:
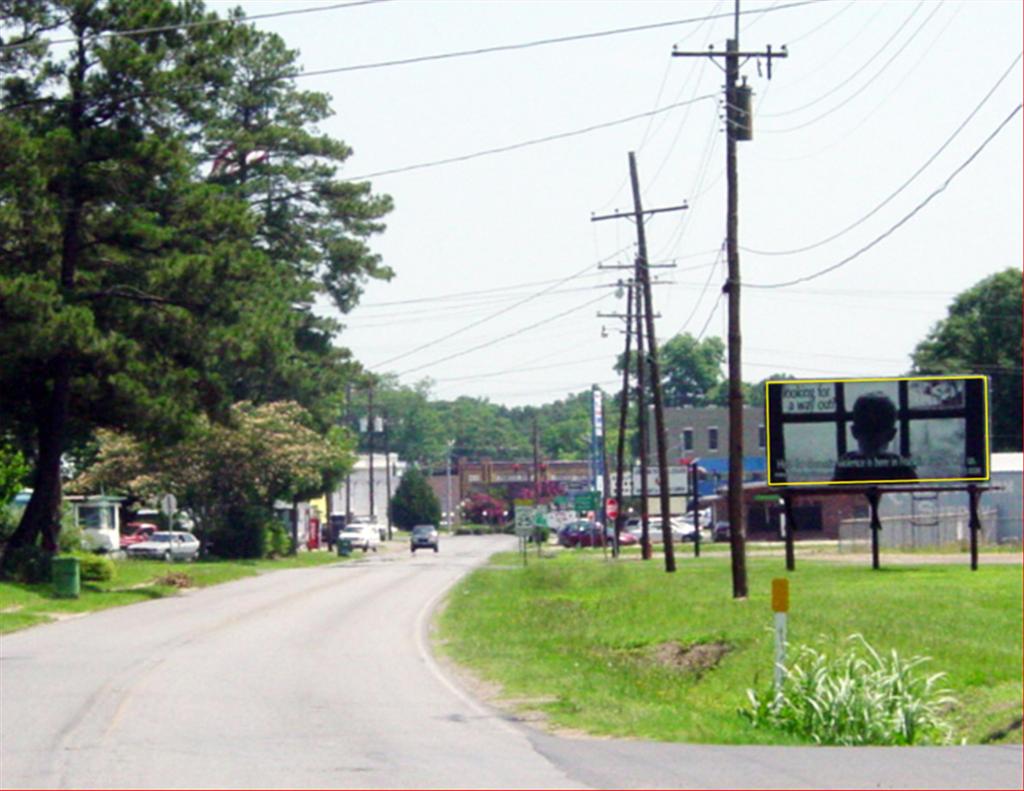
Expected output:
{"points": [[136, 292], [262, 145], [691, 369], [982, 335]]}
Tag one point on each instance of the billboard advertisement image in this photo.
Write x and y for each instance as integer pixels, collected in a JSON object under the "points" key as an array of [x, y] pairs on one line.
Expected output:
{"points": [[885, 430]]}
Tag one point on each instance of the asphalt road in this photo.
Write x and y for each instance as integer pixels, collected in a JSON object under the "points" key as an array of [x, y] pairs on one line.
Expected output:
{"points": [[322, 678]]}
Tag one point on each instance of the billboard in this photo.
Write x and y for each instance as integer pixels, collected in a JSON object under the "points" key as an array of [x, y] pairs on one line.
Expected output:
{"points": [[886, 430]]}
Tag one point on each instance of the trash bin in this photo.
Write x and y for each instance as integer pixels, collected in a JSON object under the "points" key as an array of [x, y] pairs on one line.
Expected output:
{"points": [[66, 577], [344, 547]]}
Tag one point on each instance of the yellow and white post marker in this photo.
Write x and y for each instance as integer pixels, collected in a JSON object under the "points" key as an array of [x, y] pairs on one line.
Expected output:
{"points": [[780, 606]]}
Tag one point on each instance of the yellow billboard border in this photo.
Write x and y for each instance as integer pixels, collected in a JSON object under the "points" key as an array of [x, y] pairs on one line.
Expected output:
{"points": [[768, 431]]}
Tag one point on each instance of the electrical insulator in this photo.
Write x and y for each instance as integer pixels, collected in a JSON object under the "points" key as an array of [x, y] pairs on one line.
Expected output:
{"points": [[744, 122]]}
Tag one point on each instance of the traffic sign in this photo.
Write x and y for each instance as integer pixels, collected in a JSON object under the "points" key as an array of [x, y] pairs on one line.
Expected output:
{"points": [[585, 501], [611, 507], [168, 504]]}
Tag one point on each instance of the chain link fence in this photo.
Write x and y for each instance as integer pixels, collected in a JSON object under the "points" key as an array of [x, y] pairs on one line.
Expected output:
{"points": [[944, 528]]}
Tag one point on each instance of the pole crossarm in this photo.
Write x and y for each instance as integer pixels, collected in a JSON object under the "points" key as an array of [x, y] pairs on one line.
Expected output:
{"points": [[768, 53], [630, 215]]}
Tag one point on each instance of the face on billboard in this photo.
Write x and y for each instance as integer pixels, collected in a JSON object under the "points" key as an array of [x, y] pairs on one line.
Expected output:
{"points": [[905, 430]]}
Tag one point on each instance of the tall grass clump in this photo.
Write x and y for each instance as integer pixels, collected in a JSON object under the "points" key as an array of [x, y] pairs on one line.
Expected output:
{"points": [[860, 697]]}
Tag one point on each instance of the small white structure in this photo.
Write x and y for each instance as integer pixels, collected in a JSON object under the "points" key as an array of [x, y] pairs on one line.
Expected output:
{"points": [[99, 519]]}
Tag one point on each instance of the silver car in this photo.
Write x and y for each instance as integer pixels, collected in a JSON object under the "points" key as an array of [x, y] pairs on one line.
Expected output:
{"points": [[166, 545], [423, 537]]}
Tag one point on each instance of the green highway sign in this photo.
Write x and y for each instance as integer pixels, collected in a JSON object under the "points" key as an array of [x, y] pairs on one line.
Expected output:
{"points": [[585, 501]]}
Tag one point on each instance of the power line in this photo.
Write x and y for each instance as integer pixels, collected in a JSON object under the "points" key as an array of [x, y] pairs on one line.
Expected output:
{"points": [[841, 83], [906, 183], [513, 334], [707, 283], [903, 221], [189, 25], [865, 86], [533, 142], [487, 318], [414, 316], [457, 294], [546, 41], [518, 370]]}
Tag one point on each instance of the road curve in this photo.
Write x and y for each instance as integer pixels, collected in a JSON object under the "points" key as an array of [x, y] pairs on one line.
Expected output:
{"points": [[322, 678]]}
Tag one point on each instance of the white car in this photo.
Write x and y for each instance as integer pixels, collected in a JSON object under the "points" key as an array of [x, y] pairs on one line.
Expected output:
{"points": [[166, 545], [363, 536]]}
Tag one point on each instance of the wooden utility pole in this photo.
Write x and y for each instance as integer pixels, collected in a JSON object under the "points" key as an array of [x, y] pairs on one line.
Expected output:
{"points": [[348, 475], [536, 463], [737, 127], [652, 346], [641, 423], [620, 451], [645, 324], [369, 441], [387, 473]]}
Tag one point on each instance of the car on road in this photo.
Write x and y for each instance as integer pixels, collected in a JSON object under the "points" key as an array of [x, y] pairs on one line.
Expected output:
{"points": [[571, 533], [720, 532], [423, 537], [136, 533], [166, 545], [361, 535]]}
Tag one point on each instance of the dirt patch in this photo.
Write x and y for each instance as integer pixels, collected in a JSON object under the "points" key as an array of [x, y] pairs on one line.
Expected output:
{"points": [[695, 659], [176, 579]]}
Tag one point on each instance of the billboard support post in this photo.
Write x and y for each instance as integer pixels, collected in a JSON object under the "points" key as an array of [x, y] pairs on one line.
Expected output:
{"points": [[874, 496], [787, 503], [974, 495]]}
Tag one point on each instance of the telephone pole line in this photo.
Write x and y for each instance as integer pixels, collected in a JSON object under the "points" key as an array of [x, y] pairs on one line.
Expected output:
{"points": [[738, 126], [645, 324]]}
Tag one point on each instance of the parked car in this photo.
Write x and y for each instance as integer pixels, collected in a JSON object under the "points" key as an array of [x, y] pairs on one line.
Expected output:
{"points": [[423, 537], [166, 545], [375, 523], [362, 535], [720, 532], [626, 538], [586, 533], [136, 533], [570, 535]]}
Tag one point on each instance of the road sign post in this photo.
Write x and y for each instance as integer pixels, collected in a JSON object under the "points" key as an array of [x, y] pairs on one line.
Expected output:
{"points": [[780, 606]]}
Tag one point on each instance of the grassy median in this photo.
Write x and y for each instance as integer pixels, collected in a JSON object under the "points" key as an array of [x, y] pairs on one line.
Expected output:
{"points": [[621, 648], [23, 605]]}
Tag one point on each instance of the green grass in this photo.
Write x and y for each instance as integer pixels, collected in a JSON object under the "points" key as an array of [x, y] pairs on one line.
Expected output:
{"points": [[22, 605], [576, 634]]}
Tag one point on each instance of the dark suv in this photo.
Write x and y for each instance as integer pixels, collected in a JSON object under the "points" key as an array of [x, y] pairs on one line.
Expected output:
{"points": [[423, 537]]}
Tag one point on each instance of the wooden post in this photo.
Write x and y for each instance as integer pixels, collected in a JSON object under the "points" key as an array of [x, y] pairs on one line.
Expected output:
{"points": [[874, 496], [975, 523], [787, 504]]}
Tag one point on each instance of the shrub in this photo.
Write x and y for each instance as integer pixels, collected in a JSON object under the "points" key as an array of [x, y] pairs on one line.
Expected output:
{"points": [[858, 698], [96, 568], [247, 532]]}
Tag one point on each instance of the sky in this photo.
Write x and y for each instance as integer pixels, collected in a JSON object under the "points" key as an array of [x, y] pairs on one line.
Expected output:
{"points": [[881, 153]]}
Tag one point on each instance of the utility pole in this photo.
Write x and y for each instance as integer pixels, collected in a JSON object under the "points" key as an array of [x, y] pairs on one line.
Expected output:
{"points": [[536, 463], [737, 127], [641, 423], [348, 475], [620, 450], [369, 441], [448, 481], [387, 473], [645, 316]]}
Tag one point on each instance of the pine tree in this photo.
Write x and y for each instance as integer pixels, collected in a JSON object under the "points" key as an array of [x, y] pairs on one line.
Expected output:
{"points": [[414, 502]]}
